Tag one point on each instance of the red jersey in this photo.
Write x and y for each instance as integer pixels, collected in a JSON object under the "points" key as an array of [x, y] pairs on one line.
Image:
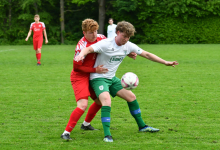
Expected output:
{"points": [[38, 30], [89, 60]]}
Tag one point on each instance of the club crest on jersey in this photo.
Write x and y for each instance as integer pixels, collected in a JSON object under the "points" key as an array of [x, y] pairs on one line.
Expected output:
{"points": [[125, 51], [39, 25], [101, 87]]}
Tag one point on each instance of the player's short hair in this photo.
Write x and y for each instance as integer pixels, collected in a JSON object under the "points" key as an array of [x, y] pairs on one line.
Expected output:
{"points": [[110, 19], [126, 28], [37, 15], [89, 25]]}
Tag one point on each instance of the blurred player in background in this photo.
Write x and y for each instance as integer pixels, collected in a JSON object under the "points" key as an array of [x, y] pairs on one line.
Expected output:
{"points": [[111, 32], [38, 29]]}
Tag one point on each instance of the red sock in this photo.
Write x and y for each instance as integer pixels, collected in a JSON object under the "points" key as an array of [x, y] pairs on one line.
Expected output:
{"points": [[93, 109], [38, 56], [74, 117]]}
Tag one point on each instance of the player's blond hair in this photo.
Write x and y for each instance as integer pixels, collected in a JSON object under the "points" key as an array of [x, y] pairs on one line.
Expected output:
{"points": [[89, 25], [126, 28], [36, 15]]}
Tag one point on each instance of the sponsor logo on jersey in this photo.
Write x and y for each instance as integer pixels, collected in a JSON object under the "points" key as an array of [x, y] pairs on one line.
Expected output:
{"points": [[116, 59], [36, 29]]}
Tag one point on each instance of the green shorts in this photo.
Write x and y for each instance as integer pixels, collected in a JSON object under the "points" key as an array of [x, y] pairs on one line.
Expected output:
{"points": [[101, 85]]}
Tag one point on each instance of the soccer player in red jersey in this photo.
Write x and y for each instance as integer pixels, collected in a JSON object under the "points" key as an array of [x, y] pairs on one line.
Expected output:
{"points": [[38, 29], [80, 79]]}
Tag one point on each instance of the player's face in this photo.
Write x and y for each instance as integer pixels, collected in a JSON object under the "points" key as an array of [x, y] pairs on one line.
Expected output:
{"points": [[110, 22], [36, 19], [90, 36], [121, 38]]}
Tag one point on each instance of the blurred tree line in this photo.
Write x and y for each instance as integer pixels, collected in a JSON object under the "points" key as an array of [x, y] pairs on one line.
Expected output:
{"points": [[156, 21]]}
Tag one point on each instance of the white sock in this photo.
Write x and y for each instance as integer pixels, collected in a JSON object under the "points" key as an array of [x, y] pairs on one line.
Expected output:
{"points": [[86, 123], [66, 132]]}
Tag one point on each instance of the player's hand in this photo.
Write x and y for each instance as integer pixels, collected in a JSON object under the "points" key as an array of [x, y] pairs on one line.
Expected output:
{"points": [[132, 55], [79, 57], [168, 63], [26, 39], [100, 69], [46, 41]]}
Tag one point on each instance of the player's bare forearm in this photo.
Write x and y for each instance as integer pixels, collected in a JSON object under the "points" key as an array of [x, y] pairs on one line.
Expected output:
{"points": [[152, 57], [87, 50], [29, 34], [45, 36], [155, 58]]}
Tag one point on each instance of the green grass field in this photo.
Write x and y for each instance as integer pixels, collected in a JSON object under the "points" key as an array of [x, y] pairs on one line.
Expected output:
{"points": [[183, 102]]}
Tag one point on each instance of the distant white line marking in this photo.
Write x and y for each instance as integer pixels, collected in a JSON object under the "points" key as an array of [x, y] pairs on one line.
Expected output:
{"points": [[7, 50]]}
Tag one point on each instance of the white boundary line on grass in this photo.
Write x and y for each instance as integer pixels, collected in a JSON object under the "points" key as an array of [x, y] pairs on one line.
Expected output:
{"points": [[7, 50]]}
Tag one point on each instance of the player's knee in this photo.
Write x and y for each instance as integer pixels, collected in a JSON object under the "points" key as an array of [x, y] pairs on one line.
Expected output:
{"points": [[38, 51], [105, 99], [83, 106], [131, 96]]}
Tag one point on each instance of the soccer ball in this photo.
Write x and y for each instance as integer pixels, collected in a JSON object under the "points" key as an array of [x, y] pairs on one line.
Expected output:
{"points": [[129, 81]]}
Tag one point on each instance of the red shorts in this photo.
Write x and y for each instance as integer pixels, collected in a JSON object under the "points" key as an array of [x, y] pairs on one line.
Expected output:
{"points": [[81, 89], [37, 44]]}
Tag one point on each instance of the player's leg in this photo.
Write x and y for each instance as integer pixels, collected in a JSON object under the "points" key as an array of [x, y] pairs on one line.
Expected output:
{"points": [[132, 104], [38, 56], [135, 110], [101, 88], [35, 45], [93, 109], [81, 92], [105, 115], [74, 117], [38, 51]]}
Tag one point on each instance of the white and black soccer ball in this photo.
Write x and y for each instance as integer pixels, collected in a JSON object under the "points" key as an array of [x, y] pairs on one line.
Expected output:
{"points": [[129, 81]]}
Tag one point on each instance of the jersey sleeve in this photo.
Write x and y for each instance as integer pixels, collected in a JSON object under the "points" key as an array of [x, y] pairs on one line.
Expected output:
{"points": [[134, 48], [78, 49], [43, 25], [99, 46], [31, 26]]}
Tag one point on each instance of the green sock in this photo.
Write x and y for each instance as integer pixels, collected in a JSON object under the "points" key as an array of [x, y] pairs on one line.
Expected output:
{"points": [[136, 113], [105, 117]]}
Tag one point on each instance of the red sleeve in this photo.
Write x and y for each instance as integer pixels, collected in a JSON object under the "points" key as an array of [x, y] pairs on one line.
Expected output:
{"points": [[79, 68]]}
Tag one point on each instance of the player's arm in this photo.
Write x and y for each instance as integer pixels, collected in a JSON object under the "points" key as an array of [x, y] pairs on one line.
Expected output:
{"points": [[83, 53], [29, 34], [132, 55], [45, 35], [155, 58], [99, 69]]}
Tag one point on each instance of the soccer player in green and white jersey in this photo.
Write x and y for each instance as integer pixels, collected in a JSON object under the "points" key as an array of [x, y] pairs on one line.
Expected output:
{"points": [[111, 53]]}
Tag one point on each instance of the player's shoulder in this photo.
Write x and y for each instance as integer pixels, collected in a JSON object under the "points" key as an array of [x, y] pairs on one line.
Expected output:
{"points": [[83, 39], [101, 36], [81, 42], [42, 23], [130, 45]]}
